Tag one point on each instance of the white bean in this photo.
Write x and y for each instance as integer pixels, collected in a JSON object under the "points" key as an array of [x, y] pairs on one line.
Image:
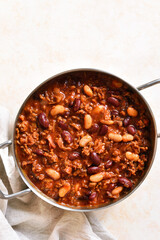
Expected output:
{"points": [[117, 84], [127, 137], [96, 177], [115, 137], [98, 109], [132, 156], [64, 190], [132, 112], [88, 91], [108, 122], [58, 109], [117, 190], [53, 173], [85, 140], [87, 121]]}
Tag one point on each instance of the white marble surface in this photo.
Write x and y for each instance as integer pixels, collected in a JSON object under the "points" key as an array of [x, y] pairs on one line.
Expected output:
{"points": [[41, 38]]}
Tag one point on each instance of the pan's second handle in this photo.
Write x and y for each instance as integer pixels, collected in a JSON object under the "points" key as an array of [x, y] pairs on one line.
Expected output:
{"points": [[149, 84], [6, 144], [13, 195]]}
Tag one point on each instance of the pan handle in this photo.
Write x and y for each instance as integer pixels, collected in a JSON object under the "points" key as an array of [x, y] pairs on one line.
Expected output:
{"points": [[13, 195], [149, 84]]}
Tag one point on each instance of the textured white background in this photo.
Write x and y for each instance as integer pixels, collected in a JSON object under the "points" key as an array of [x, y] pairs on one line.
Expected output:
{"points": [[41, 38]]}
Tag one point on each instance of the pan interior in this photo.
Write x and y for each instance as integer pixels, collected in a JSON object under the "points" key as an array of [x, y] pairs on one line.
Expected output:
{"points": [[76, 74]]}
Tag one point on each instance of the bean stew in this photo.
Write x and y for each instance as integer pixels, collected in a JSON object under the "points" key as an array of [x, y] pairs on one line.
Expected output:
{"points": [[84, 139]]}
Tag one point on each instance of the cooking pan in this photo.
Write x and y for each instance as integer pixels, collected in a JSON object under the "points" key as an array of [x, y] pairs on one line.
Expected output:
{"points": [[32, 188]]}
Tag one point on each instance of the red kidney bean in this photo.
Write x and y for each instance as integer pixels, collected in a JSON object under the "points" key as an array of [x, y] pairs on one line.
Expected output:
{"points": [[114, 101], [109, 163], [110, 187], [95, 159], [70, 104], [83, 198], [67, 136], [126, 121], [131, 129], [84, 194], [125, 181], [36, 96], [115, 113], [38, 152], [93, 170], [110, 91], [92, 196], [62, 125], [77, 104], [78, 84], [94, 128], [74, 155], [87, 192], [76, 80], [115, 92], [103, 130], [67, 113], [43, 120], [146, 143], [106, 157], [55, 196]]}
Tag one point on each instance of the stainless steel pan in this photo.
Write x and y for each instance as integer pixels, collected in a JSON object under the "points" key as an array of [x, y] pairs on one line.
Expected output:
{"points": [[32, 188]]}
